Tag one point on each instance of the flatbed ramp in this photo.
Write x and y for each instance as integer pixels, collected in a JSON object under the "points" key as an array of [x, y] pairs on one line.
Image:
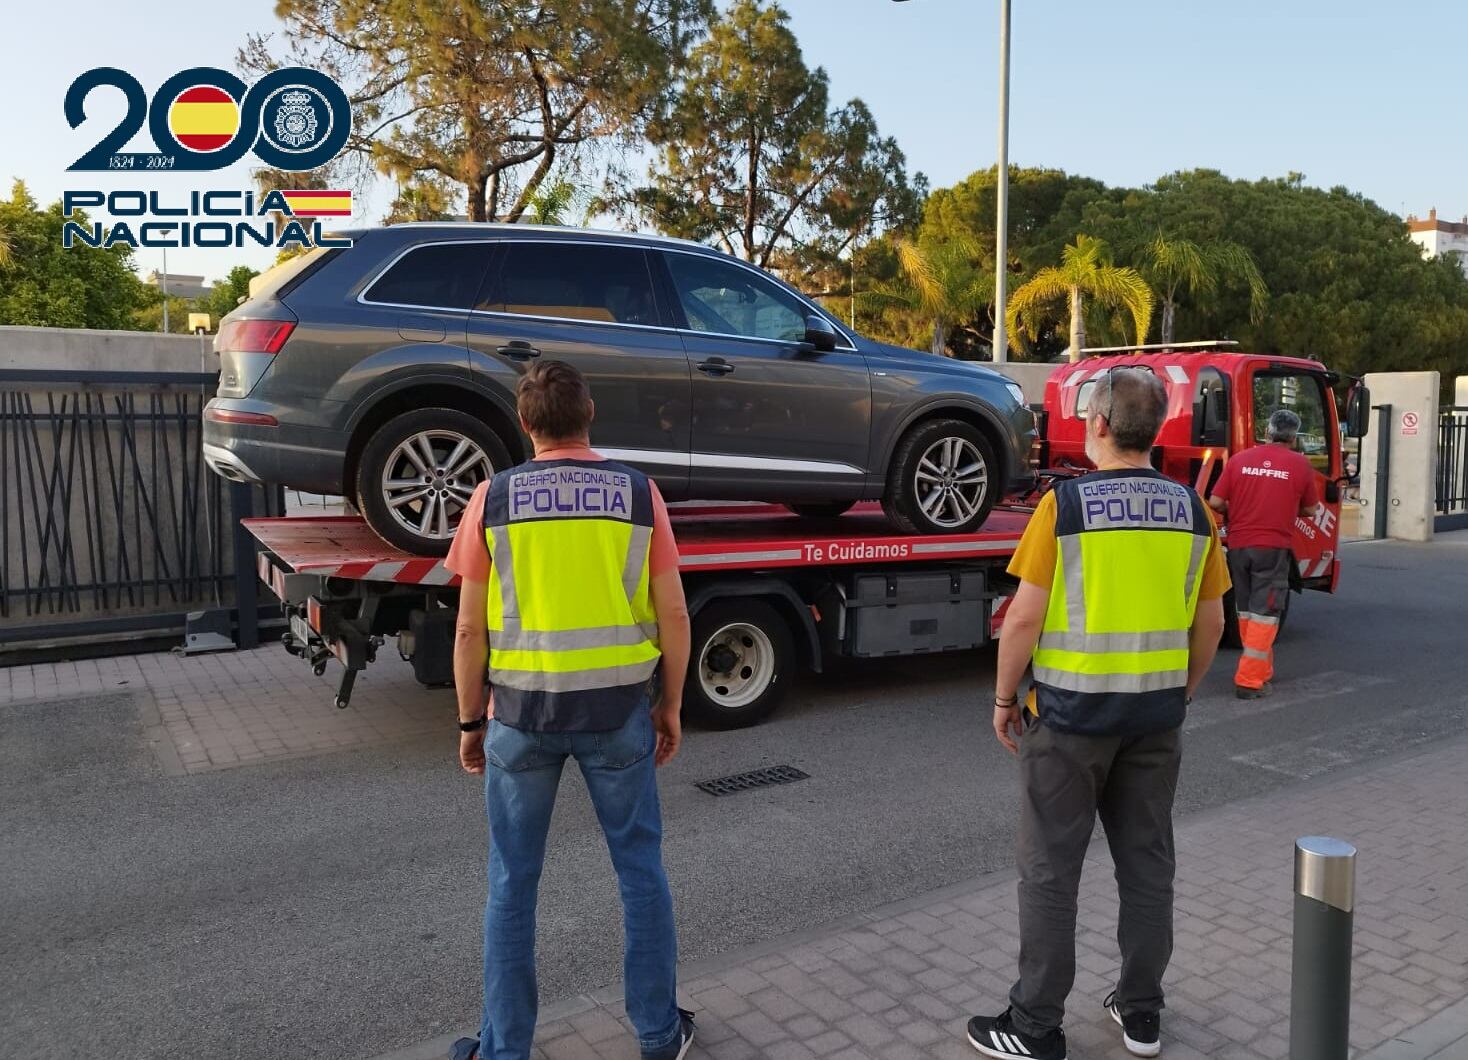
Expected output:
{"points": [[725, 538], [767, 590]]}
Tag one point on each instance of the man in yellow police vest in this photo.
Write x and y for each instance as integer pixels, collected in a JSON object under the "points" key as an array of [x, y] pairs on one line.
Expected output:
{"points": [[1120, 605], [572, 602]]}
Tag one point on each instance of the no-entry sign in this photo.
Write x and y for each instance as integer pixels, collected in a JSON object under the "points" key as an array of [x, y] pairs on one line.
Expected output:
{"points": [[1409, 424]]}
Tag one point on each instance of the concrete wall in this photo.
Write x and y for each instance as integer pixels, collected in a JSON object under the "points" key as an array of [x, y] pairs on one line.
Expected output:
{"points": [[1030, 377], [1412, 466], [80, 349], [1460, 392]]}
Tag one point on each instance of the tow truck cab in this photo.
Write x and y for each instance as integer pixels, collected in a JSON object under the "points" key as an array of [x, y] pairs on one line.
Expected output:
{"points": [[1219, 403]]}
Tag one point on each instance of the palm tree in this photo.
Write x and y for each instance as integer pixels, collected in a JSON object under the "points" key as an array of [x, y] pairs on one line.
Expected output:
{"points": [[550, 202], [1174, 265], [940, 282], [1085, 270]]}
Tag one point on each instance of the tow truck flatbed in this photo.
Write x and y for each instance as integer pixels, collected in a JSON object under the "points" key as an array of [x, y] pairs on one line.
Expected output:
{"points": [[765, 587]]}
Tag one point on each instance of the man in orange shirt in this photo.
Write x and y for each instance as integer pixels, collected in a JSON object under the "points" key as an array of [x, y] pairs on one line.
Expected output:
{"points": [[572, 600]]}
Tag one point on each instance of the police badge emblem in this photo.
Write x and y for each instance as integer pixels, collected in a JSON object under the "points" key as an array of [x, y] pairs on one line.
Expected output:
{"points": [[295, 119]]}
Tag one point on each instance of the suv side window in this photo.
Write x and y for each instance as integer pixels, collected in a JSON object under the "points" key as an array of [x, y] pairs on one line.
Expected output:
{"points": [[434, 276], [1304, 395], [575, 281], [725, 299]]}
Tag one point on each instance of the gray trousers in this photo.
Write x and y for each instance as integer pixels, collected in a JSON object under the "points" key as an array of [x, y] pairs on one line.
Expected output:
{"points": [[1067, 780]]}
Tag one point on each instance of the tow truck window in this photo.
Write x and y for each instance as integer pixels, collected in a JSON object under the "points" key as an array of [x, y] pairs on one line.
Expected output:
{"points": [[1084, 391], [1304, 395]]}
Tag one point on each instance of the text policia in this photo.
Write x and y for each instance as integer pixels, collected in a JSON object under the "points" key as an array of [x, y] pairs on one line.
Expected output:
{"points": [[220, 218]]}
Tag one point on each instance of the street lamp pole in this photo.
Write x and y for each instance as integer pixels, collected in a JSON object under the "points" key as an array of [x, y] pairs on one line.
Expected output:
{"points": [[1001, 216]]}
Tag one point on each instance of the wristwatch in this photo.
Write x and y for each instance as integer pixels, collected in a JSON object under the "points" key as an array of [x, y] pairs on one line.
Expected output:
{"points": [[475, 725]]}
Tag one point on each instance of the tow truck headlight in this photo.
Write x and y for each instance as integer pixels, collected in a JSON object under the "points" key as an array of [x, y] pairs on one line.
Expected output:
{"points": [[1017, 391]]}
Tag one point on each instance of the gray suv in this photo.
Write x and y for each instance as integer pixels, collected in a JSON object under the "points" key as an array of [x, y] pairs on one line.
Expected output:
{"points": [[386, 372]]}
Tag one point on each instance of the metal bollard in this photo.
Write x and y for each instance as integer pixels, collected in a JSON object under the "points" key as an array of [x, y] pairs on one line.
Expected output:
{"points": [[1320, 981]]}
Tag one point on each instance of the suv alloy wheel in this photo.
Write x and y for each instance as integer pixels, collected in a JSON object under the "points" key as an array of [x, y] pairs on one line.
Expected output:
{"points": [[418, 472], [943, 479]]}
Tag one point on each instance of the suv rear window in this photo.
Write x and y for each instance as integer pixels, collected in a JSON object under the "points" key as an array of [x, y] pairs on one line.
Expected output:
{"points": [[575, 281], [435, 276]]}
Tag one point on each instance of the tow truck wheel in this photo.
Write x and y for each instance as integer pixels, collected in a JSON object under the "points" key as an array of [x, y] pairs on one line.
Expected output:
{"points": [[743, 659], [943, 479]]}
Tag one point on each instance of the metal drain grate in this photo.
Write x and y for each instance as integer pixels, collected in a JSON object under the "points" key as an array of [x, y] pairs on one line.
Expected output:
{"points": [[755, 778]]}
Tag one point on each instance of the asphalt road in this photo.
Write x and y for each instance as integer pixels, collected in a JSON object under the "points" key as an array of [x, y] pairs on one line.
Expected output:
{"points": [[330, 906]]}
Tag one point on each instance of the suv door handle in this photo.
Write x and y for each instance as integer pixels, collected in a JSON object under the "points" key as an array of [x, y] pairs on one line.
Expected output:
{"points": [[715, 366], [519, 350]]}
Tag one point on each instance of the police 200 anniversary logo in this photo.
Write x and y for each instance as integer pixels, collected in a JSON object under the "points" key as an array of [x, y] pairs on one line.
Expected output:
{"points": [[204, 118], [292, 119]]}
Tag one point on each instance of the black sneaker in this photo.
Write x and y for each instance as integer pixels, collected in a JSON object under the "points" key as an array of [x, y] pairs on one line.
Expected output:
{"points": [[677, 1049], [1242, 692], [995, 1036], [1140, 1032]]}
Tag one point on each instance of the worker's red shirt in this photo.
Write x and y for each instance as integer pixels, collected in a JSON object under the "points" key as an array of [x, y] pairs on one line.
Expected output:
{"points": [[1265, 487]]}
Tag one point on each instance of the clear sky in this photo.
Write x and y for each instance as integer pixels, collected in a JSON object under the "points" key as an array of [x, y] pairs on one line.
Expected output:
{"points": [[1368, 95]]}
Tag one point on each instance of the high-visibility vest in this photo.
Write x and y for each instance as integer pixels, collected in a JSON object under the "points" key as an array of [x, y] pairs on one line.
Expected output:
{"points": [[1112, 658], [572, 633]]}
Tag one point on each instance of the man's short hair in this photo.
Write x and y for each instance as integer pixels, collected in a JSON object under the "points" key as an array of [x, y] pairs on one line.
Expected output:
{"points": [[1134, 403], [554, 400], [1283, 426]]}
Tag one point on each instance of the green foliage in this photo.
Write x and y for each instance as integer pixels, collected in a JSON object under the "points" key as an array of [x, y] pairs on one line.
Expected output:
{"points": [[423, 199], [1346, 284], [488, 94], [938, 282], [226, 293], [149, 316], [751, 156], [1085, 271], [46, 285], [552, 204]]}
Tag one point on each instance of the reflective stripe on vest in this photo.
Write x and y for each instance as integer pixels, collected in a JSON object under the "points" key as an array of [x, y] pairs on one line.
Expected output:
{"points": [[1113, 654], [572, 635]]}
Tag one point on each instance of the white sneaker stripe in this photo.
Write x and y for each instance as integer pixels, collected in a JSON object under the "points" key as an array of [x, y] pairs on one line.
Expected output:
{"points": [[997, 1039], [1020, 1045]]}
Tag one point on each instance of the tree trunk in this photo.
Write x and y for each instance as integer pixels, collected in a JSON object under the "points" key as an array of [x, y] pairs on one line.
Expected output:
{"points": [[751, 200], [474, 200], [1077, 325], [1169, 311], [940, 336]]}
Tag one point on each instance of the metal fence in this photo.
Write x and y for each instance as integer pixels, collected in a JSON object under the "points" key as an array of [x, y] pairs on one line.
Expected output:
{"points": [[1452, 460], [110, 523]]}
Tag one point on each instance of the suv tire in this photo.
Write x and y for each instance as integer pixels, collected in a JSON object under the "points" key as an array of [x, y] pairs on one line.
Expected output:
{"points": [[421, 517], [943, 479]]}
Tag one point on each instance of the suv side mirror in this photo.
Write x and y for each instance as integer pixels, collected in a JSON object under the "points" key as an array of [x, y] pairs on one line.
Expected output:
{"points": [[1358, 411], [819, 334]]}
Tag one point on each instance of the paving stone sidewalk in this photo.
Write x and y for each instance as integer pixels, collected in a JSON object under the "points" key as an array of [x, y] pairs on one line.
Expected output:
{"points": [[899, 982]]}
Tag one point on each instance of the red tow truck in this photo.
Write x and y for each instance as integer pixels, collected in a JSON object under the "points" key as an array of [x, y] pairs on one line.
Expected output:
{"points": [[769, 590]]}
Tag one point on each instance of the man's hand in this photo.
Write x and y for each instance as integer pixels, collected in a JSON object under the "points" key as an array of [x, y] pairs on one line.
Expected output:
{"points": [[667, 721], [471, 751], [1008, 726]]}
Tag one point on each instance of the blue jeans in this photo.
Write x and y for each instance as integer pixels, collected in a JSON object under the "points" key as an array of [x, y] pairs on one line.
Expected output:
{"points": [[522, 773]]}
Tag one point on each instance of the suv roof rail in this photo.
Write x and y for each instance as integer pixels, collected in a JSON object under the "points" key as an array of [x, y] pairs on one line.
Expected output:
{"points": [[1204, 344]]}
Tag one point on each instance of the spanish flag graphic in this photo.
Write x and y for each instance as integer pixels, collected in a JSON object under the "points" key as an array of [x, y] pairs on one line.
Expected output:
{"points": [[204, 118], [319, 203]]}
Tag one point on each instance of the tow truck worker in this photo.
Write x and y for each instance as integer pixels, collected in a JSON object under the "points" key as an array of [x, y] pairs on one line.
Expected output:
{"points": [[572, 601], [1260, 493], [1120, 606]]}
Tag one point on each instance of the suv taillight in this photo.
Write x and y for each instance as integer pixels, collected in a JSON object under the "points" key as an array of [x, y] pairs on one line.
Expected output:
{"points": [[254, 336]]}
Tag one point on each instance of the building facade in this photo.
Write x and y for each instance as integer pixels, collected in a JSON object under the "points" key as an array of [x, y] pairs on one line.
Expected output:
{"points": [[1437, 237]]}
